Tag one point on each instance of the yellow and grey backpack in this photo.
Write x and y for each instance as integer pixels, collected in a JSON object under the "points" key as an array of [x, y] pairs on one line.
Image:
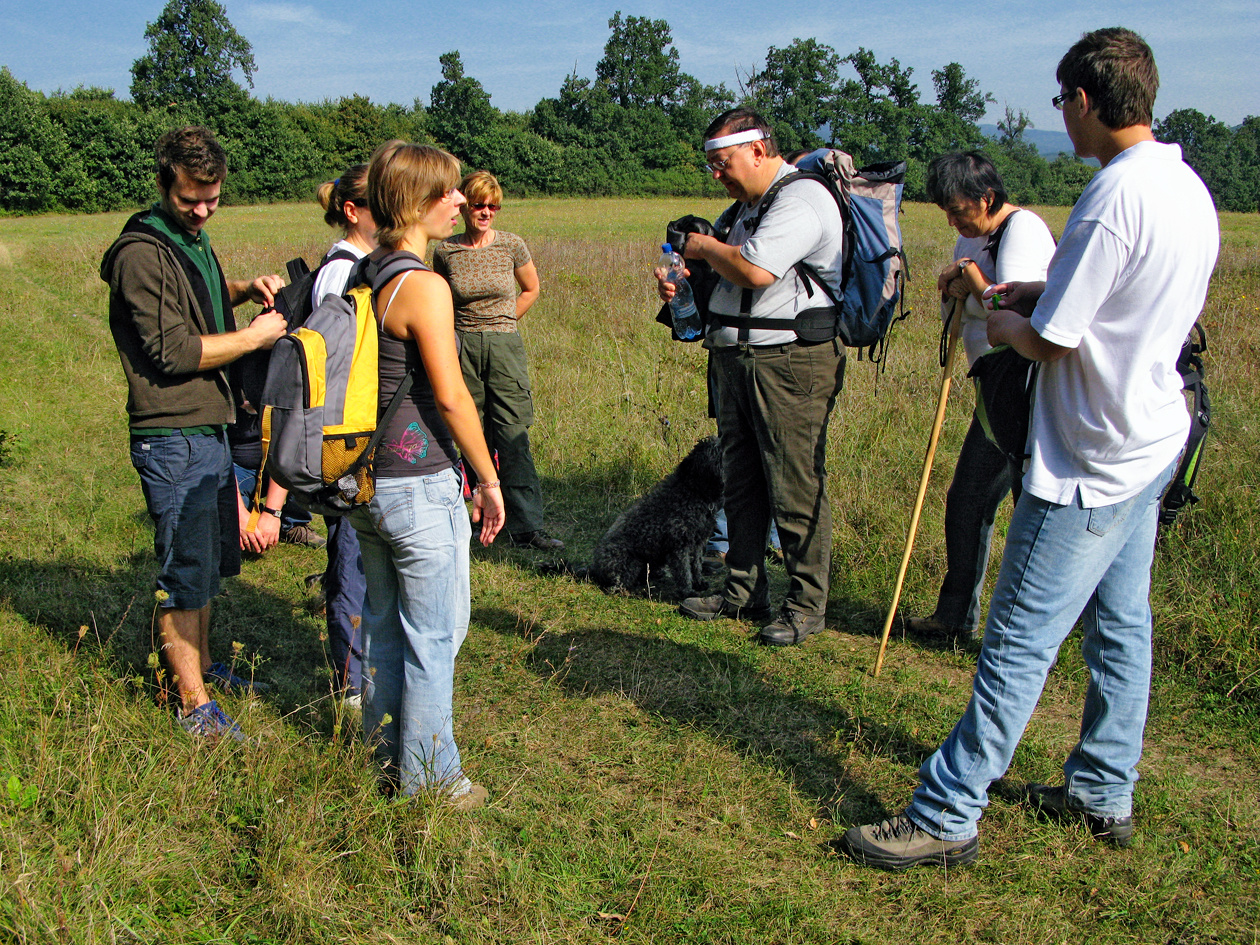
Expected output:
{"points": [[320, 426]]}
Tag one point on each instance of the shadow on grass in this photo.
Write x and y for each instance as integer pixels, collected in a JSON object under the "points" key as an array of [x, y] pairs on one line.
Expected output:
{"points": [[109, 613], [725, 696]]}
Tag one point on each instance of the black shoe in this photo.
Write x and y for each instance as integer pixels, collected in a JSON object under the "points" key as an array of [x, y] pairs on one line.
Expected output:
{"points": [[900, 843], [538, 540], [710, 608], [932, 629], [1054, 802], [791, 627]]}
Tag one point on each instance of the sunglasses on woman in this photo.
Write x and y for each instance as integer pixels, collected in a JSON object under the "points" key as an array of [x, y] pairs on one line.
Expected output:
{"points": [[493, 207]]}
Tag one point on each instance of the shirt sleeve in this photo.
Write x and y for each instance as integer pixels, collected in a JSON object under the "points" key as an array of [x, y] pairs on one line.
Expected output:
{"points": [[789, 231], [1027, 246], [520, 252], [1083, 274], [439, 262]]}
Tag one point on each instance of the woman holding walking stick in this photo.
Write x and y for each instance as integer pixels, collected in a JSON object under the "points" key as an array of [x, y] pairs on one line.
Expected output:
{"points": [[1004, 243]]}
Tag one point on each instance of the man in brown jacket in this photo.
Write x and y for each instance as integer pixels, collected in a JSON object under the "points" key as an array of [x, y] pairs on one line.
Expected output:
{"points": [[170, 312]]}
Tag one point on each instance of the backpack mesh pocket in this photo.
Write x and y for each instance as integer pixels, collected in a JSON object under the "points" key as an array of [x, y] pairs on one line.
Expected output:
{"points": [[339, 454]]}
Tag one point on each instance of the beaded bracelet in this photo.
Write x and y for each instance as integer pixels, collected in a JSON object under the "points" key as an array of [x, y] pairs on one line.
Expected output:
{"points": [[492, 484]]}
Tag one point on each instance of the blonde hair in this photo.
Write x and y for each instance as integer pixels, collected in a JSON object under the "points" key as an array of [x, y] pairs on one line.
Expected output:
{"points": [[481, 187], [333, 195], [404, 181]]}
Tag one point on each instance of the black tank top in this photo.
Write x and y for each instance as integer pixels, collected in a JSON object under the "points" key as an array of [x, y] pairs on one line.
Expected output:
{"points": [[416, 441]]}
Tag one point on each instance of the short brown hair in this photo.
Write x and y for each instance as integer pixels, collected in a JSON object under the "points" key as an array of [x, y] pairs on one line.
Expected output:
{"points": [[481, 187], [404, 181], [742, 119], [1116, 68], [196, 150]]}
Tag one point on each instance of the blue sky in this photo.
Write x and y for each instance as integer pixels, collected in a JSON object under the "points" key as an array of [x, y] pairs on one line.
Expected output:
{"points": [[309, 50]]}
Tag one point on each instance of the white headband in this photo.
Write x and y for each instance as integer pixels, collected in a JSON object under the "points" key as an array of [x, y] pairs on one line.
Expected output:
{"points": [[740, 137]]}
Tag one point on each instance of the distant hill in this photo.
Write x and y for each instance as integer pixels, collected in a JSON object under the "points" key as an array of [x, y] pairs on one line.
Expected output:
{"points": [[1047, 143]]}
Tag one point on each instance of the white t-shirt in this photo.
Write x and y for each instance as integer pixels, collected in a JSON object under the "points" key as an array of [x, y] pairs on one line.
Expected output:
{"points": [[1023, 256], [803, 223], [1125, 286], [331, 280]]}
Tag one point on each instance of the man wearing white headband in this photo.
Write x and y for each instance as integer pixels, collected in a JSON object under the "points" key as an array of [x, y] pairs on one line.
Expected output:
{"points": [[775, 388]]}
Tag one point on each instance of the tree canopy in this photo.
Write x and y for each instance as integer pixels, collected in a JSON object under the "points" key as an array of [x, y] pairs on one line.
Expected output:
{"points": [[634, 127], [193, 52]]}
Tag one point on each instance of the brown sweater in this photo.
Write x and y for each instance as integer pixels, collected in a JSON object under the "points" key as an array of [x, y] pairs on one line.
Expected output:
{"points": [[157, 305]]}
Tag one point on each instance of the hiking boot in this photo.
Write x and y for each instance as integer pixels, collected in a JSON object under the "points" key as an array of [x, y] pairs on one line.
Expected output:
{"points": [[710, 608], [538, 540], [302, 535], [791, 627], [1054, 802], [209, 721], [900, 843], [932, 628], [467, 796], [221, 675]]}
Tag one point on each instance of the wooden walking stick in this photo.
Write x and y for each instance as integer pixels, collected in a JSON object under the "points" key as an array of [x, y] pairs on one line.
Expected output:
{"points": [[955, 327]]}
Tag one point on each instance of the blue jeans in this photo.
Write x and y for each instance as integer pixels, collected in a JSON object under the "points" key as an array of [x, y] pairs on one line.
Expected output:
{"points": [[414, 539], [1060, 562], [344, 588], [981, 481], [188, 489]]}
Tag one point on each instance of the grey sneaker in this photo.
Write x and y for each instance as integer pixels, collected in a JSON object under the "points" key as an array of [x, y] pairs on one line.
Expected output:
{"points": [[1054, 802], [791, 627], [710, 608], [209, 721], [899, 844], [538, 540], [302, 535]]}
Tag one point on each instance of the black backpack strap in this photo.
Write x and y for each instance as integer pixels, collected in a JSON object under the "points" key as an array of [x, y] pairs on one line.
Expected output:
{"points": [[1180, 492]]}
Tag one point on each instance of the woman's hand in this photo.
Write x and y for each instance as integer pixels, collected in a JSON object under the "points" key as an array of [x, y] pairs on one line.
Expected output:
{"points": [[487, 508]]}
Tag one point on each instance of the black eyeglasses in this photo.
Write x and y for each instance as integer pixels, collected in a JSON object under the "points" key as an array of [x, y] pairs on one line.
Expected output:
{"points": [[493, 207], [1058, 100]]}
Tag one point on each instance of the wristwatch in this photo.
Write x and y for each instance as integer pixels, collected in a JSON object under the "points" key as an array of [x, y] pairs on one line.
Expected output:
{"points": [[275, 512]]}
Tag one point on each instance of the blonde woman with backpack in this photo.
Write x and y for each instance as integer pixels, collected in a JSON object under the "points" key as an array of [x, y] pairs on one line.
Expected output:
{"points": [[414, 534]]}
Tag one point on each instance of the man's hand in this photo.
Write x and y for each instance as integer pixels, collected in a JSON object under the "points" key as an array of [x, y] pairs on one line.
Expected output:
{"points": [[267, 328], [664, 288], [1018, 297], [261, 290]]}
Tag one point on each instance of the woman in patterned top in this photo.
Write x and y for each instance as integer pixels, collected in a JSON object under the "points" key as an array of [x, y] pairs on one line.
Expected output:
{"points": [[494, 282]]}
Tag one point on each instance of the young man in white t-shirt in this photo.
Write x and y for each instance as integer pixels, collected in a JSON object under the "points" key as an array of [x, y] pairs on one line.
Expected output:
{"points": [[1125, 286]]}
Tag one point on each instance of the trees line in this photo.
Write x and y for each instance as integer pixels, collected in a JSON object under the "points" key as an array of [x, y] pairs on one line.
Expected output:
{"points": [[634, 129]]}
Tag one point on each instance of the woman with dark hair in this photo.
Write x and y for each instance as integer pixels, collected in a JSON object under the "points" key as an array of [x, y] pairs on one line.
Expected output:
{"points": [[998, 242], [494, 283], [414, 533], [346, 207]]}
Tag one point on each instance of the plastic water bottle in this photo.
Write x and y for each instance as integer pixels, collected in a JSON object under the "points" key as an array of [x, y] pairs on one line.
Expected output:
{"points": [[687, 323]]}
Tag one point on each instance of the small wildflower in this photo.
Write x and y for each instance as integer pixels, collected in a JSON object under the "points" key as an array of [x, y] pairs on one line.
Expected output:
{"points": [[386, 719], [82, 632], [161, 595], [237, 647], [153, 660]]}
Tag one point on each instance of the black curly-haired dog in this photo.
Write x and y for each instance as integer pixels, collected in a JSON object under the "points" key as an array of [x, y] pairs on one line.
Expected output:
{"points": [[667, 527]]}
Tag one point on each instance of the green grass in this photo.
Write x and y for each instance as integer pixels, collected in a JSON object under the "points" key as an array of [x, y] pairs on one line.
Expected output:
{"points": [[652, 779]]}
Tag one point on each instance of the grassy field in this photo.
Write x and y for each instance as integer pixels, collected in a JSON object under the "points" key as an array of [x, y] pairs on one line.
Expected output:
{"points": [[652, 779]]}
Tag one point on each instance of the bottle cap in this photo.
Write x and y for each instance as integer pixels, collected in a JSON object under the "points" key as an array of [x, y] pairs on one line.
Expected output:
{"points": [[666, 248]]}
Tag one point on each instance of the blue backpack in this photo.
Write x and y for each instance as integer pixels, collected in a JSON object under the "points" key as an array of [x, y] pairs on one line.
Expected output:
{"points": [[871, 296]]}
